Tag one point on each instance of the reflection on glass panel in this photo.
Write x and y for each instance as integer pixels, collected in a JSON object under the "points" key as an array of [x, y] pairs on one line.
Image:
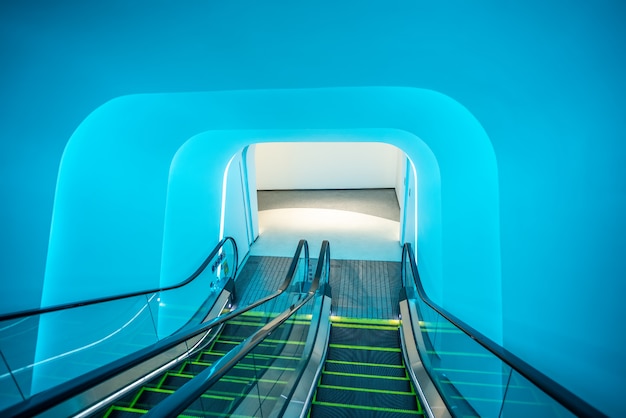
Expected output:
{"points": [[9, 392], [472, 380], [188, 305], [75, 341], [18, 339], [253, 386], [524, 399], [469, 377]]}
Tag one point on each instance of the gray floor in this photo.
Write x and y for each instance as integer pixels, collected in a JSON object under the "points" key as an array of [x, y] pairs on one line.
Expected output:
{"points": [[359, 224], [362, 227], [365, 289], [382, 203], [359, 289]]}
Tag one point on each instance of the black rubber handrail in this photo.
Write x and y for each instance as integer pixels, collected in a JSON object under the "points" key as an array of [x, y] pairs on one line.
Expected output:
{"points": [[61, 307], [43, 401], [556, 391], [184, 396]]}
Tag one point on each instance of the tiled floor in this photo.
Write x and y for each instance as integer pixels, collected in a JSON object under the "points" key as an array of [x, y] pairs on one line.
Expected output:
{"points": [[359, 288], [359, 224], [362, 228], [365, 289]]}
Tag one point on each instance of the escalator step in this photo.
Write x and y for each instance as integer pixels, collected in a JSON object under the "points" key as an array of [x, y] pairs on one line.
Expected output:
{"points": [[224, 346], [149, 397], [358, 354], [172, 381], [123, 412], [364, 336], [367, 398], [363, 368], [210, 358], [341, 411], [263, 362], [230, 389], [268, 370], [364, 373], [207, 357], [366, 382]]}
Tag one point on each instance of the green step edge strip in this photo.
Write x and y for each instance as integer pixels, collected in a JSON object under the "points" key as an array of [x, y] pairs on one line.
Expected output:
{"points": [[389, 328], [358, 363], [368, 376], [251, 323], [250, 355], [124, 409], [231, 340], [264, 314], [366, 390], [371, 408], [365, 347], [364, 321]]}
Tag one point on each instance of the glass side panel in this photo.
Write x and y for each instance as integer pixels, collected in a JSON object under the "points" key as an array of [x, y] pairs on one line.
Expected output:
{"points": [[254, 385], [9, 392], [75, 341], [42, 351], [302, 278], [471, 380], [18, 339], [188, 305], [524, 399]]}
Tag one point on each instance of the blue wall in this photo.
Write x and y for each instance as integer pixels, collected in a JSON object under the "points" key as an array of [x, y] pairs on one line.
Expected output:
{"points": [[131, 187], [543, 78]]}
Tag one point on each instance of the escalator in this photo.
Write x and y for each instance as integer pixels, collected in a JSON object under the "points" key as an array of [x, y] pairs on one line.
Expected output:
{"points": [[286, 356], [273, 358], [137, 381], [310, 364], [364, 373]]}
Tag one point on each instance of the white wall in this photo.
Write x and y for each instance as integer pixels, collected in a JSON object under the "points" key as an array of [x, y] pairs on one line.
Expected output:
{"points": [[236, 212], [339, 165], [400, 178]]}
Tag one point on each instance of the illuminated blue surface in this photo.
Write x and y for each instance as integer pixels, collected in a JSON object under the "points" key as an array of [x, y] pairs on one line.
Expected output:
{"points": [[545, 81], [104, 192]]}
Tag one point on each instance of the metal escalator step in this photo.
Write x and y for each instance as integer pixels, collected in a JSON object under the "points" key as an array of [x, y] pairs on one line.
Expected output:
{"points": [[208, 357], [147, 398], [323, 410], [387, 337], [366, 398], [366, 382], [264, 363], [390, 370], [230, 388], [224, 346], [124, 412], [359, 354], [257, 360], [364, 373], [274, 358], [172, 381]]}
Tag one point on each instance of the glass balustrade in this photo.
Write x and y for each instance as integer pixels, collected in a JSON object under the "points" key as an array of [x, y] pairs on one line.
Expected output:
{"points": [[40, 351], [472, 380]]}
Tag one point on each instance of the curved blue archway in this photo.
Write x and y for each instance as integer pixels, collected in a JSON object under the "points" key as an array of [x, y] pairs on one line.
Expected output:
{"points": [[117, 216]]}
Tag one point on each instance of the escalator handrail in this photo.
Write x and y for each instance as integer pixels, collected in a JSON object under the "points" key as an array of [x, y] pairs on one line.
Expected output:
{"points": [[556, 391], [64, 306], [43, 401], [180, 400]]}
